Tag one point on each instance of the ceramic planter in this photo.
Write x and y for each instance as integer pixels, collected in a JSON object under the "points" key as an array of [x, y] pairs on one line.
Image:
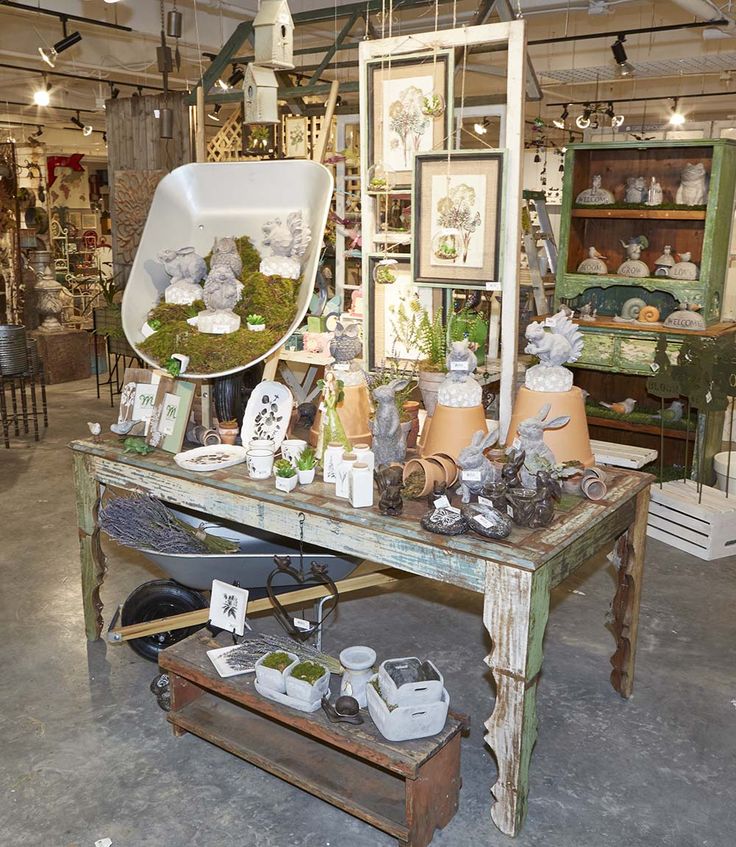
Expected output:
{"points": [[448, 463], [429, 385], [256, 327], [271, 677], [228, 434], [434, 471], [300, 689], [305, 477], [406, 722], [286, 483]]}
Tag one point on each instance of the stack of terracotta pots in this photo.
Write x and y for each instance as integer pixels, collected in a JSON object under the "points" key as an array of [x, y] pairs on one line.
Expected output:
{"points": [[438, 468]]}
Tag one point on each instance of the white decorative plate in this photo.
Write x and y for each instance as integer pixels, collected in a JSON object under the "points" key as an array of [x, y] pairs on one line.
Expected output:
{"points": [[213, 458], [268, 413]]}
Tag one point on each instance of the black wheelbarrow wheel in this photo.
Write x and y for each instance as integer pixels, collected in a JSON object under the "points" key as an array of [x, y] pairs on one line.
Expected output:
{"points": [[159, 599]]}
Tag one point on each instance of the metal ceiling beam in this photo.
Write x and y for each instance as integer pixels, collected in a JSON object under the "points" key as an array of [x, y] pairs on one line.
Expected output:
{"points": [[46, 72], [533, 89], [341, 36], [62, 16], [243, 31]]}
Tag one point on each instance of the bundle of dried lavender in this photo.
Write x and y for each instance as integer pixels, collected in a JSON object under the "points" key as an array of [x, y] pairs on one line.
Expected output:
{"points": [[144, 523]]}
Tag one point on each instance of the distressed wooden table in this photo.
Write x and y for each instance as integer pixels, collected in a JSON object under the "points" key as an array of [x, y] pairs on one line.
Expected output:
{"points": [[516, 576]]}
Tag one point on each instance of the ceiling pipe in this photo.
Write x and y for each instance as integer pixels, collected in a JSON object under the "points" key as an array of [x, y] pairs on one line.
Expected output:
{"points": [[709, 12]]}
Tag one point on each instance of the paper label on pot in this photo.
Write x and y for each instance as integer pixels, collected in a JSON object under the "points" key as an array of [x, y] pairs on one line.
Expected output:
{"points": [[471, 476], [458, 366], [441, 503], [300, 623], [484, 501], [483, 521]]}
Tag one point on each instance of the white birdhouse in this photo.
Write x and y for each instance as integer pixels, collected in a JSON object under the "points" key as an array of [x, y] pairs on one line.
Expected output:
{"points": [[274, 30], [260, 93]]}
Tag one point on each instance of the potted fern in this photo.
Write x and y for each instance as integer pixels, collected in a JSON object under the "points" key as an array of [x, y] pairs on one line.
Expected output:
{"points": [[432, 344], [306, 464], [285, 475]]}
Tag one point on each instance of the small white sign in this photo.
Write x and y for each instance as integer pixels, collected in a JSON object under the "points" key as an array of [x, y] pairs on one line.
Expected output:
{"points": [[300, 623], [341, 366], [441, 503], [458, 366], [453, 509], [228, 606], [483, 521], [509, 510], [471, 476], [484, 501]]}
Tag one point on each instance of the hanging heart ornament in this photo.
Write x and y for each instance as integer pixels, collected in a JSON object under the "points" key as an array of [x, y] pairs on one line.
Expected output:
{"points": [[316, 575]]}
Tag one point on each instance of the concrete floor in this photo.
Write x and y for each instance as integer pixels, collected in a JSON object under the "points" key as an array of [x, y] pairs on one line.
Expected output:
{"points": [[87, 754]]}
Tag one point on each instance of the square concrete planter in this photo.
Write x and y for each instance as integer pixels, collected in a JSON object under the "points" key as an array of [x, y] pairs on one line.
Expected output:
{"points": [[308, 692], [410, 681], [272, 678]]}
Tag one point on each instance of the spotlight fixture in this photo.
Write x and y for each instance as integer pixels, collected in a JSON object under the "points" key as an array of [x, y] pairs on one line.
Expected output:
{"points": [[38, 133], [50, 54], [238, 75], [86, 128], [481, 127], [616, 120], [114, 92], [215, 113], [42, 96], [677, 118], [560, 122], [623, 66], [583, 121]]}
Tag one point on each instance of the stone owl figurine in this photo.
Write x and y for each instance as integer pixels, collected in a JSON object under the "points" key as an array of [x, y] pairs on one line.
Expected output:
{"points": [[225, 253], [692, 190], [345, 345], [222, 290]]}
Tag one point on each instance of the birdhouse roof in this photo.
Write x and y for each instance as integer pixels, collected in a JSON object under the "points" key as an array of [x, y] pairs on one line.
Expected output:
{"points": [[262, 77], [273, 12]]}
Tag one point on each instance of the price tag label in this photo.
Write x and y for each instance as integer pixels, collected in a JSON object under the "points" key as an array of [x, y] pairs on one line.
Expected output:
{"points": [[484, 501], [458, 366], [341, 366], [441, 503], [300, 623], [493, 286], [453, 509], [509, 510], [471, 476], [549, 321], [483, 521]]}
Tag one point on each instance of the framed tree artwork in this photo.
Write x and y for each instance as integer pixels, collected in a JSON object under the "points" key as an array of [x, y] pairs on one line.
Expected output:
{"points": [[296, 137], [457, 206], [409, 110], [394, 311]]}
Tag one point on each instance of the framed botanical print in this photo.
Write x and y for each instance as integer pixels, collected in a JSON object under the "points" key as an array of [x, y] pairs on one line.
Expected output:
{"points": [[409, 110], [394, 311], [457, 210], [296, 137]]}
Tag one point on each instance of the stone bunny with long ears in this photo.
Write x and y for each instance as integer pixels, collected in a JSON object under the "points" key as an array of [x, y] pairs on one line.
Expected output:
{"points": [[476, 470], [389, 440], [539, 457]]}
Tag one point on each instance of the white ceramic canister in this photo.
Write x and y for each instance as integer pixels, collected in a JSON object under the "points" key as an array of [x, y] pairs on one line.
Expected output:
{"points": [[365, 455], [361, 486], [342, 474], [260, 463], [291, 449], [358, 663], [333, 455]]}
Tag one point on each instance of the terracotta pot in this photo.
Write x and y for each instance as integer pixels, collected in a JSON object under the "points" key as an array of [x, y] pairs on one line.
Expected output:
{"points": [[228, 434], [572, 484], [448, 463], [433, 472], [429, 385], [452, 429], [411, 409], [594, 488], [569, 443]]}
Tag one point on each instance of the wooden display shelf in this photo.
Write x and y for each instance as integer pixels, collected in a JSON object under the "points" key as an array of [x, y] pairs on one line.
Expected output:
{"points": [[631, 426], [713, 330], [641, 214], [406, 789]]}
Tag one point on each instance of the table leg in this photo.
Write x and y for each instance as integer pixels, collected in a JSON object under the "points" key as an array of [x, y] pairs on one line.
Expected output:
{"points": [[515, 614], [628, 557], [90, 551]]}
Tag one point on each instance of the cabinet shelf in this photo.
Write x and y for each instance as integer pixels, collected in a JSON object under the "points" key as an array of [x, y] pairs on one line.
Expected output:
{"points": [[713, 330], [573, 284], [640, 214]]}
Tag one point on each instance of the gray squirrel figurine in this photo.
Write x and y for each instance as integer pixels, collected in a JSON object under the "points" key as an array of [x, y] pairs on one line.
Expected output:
{"points": [[390, 482], [389, 439]]}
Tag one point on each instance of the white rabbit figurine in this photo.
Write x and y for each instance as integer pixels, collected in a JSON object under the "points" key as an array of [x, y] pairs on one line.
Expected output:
{"points": [[539, 457], [475, 469], [389, 439]]}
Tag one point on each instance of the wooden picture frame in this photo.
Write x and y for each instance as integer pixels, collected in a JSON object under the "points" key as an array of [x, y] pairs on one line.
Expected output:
{"points": [[390, 83], [173, 406], [131, 406], [260, 140], [383, 299], [458, 215], [296, 137]]}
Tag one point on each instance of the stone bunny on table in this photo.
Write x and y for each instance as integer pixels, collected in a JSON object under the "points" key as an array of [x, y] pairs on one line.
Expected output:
{"points": [[539, 456], [474, 464], [389, 439]]}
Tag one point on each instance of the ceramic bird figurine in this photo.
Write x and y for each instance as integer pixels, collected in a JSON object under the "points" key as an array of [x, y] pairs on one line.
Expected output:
{"points": [[623, 407], [95, 428], [673, 412]]}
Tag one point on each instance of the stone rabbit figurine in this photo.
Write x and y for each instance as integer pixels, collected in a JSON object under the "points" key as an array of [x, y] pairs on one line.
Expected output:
{"points": [[539, 456], [476, 470], [512, 468], [390, 481], [548, 491], [389, 439]]}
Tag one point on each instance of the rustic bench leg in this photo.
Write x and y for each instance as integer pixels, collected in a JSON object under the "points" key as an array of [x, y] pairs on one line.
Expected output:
{"points": [[515, 614], [90, 551], [433, 797], [628, 556]]}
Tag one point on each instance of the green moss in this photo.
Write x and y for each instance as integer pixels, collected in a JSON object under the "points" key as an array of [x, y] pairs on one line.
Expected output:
{"points": [[279, 661], [308, 672]]}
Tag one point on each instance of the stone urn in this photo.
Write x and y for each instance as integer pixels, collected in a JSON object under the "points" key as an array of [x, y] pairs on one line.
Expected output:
{"points": [[48, 302]]}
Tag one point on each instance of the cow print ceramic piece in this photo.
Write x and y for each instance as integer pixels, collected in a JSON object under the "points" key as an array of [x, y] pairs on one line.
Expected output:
{"points": [[267, 414]]}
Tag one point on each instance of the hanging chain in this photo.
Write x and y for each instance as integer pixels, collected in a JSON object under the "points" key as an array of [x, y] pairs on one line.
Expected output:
{"points": [[302, 519]]}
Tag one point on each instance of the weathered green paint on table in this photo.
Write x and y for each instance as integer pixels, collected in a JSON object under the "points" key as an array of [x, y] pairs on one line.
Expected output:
{"points": [[516, 575]]}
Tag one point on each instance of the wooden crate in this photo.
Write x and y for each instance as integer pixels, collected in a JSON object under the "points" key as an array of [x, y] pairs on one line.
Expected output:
{"points": [[407, 790], [706, 529], [621, 455]]}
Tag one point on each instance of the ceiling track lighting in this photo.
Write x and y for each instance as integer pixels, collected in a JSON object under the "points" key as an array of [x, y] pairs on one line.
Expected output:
{"points": [[42, 96], [215, 113], [623, 66], [676, 118], [583, 121], [560, 122], [238, 75], [50, 54], [87, 129], [481, 127]]}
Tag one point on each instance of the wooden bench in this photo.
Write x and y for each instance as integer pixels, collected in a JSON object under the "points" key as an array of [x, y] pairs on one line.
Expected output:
{"points": [[406, 789]]}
